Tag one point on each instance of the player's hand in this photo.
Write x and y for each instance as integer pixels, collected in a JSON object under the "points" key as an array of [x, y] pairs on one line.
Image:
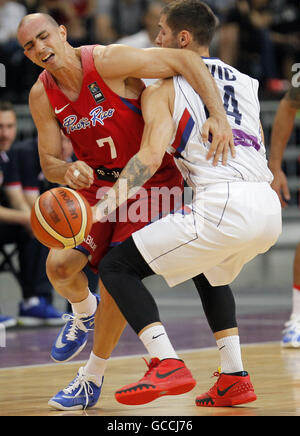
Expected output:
{"points": [[222, 139], [79, 175], [280, 186]]}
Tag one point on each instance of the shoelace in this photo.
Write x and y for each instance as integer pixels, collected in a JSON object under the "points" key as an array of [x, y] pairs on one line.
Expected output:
{"points": [[77, 324], [151, 365], [215, 374], [84, 384]]}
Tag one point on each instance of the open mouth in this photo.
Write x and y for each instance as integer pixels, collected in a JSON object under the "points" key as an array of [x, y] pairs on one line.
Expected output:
{"points": [[47, 58]]}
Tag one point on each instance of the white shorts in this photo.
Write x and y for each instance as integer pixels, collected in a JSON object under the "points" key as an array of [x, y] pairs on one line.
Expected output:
{"points": [[225, 226]]}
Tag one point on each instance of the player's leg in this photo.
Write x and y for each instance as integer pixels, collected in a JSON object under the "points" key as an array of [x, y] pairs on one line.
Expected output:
{"points": [[122, 265], [109, 325], [220, 310], [64, 269], [291, 332]]}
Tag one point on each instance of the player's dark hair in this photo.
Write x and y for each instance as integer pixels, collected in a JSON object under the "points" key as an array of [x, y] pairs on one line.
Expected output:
{"points": [[6, 106], [193, 16]]}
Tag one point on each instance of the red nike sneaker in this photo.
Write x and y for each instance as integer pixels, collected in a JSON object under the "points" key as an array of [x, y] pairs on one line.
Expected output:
{"points": [[164, 377], [229, 390]]}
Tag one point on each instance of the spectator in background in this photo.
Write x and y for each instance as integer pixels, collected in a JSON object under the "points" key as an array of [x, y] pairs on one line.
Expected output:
{"points": [[285, 34], [146, 37], [118, 18], [11, 12], [245, 39], [36, 308], [74, 15]]}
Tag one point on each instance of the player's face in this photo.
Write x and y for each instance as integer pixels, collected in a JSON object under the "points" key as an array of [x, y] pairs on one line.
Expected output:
{"points": [[165, 37], [43, 43], [8, 129]]}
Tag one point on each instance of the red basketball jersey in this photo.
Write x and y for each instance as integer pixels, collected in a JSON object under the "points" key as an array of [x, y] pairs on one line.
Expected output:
{"points": [[105, 129]]}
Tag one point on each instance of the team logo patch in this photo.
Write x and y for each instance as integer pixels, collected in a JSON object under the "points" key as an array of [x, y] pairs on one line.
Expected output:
{"points": [[96, 92]]}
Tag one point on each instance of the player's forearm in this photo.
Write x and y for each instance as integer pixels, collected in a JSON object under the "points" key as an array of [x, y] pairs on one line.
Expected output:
{"points": [[137, 172], [281, 132], [54, 169], [197, 74]]}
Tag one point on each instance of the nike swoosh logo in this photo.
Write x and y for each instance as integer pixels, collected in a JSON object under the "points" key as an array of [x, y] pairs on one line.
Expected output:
{"points": [[59, 343], [154, 337], [166, 374], [222, 393], [58, 111]]}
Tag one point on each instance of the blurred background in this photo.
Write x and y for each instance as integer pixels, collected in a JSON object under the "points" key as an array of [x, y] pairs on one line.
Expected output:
{"points": [[260, 38]]}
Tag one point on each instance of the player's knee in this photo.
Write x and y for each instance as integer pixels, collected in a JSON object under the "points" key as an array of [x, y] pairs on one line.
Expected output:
{"points": [[108, 266], [58, 269]]}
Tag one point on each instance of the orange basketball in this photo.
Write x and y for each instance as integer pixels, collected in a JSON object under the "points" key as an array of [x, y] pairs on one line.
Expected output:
{"points": [[61, 218]]}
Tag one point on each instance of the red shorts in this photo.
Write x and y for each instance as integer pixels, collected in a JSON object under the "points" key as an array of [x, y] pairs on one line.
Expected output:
{"points": [[146, 207]]}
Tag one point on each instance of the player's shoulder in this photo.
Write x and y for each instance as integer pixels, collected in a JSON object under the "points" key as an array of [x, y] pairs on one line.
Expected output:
{"points": [[160, 93], [38, 100], [37, 91], [161, 86]]}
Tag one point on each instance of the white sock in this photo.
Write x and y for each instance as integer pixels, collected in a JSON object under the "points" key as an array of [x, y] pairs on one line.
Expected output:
{"points": [[88, 306], [296, 302], [95, 366], [230, 353], [157, 343]]}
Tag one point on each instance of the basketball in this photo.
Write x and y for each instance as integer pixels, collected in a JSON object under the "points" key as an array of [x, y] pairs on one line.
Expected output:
{"points": [[61, 218]]}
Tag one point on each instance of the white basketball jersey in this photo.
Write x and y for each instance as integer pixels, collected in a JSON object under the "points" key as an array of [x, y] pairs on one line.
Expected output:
{"points": [[240, 97]]}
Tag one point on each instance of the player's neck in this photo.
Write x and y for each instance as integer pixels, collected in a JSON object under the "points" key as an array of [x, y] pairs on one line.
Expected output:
{"points": [[69, 77], [200, 50], [203, 51]]}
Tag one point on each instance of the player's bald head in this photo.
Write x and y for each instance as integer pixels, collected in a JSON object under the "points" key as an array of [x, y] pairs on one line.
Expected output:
{"points": [[37, 17]]}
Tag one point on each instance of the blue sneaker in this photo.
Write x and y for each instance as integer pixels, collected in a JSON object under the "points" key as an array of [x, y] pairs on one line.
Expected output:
{"points": [[291, 333], [7, 321], [73, 337], [36, 311], [82, 392]]}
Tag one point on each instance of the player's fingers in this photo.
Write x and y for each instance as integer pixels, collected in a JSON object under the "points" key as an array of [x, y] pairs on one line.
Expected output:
{"points": [[205, 132], [232, 147], [225, 154], [76, 179], [85, 170], [217, 155], [286, 192]]}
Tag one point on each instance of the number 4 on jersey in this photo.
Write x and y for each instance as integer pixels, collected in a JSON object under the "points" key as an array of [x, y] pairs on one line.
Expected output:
{"points": [[231, 104]]}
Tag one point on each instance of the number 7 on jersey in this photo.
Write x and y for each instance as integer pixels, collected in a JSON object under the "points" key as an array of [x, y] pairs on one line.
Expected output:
{"points": [[110, 142]]}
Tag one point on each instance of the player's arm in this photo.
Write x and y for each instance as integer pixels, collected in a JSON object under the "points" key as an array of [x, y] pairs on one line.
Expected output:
{"points": [[157, 135], [55, 169], [281, 132], [117, 61]]}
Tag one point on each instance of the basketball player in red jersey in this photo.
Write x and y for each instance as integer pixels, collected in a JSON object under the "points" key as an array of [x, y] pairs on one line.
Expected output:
{"points": [[93, 94]]}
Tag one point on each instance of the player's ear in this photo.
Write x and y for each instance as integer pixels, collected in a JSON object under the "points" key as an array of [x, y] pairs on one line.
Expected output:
{"points": [[184, 38], [63, 32]]}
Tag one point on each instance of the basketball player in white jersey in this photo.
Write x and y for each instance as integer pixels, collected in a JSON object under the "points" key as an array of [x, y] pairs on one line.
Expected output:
{"points": [[234, 216]]}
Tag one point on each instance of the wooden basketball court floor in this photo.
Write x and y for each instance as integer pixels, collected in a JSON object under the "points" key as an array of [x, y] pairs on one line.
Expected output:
{"points": [[28, 378], [275, 374]]}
